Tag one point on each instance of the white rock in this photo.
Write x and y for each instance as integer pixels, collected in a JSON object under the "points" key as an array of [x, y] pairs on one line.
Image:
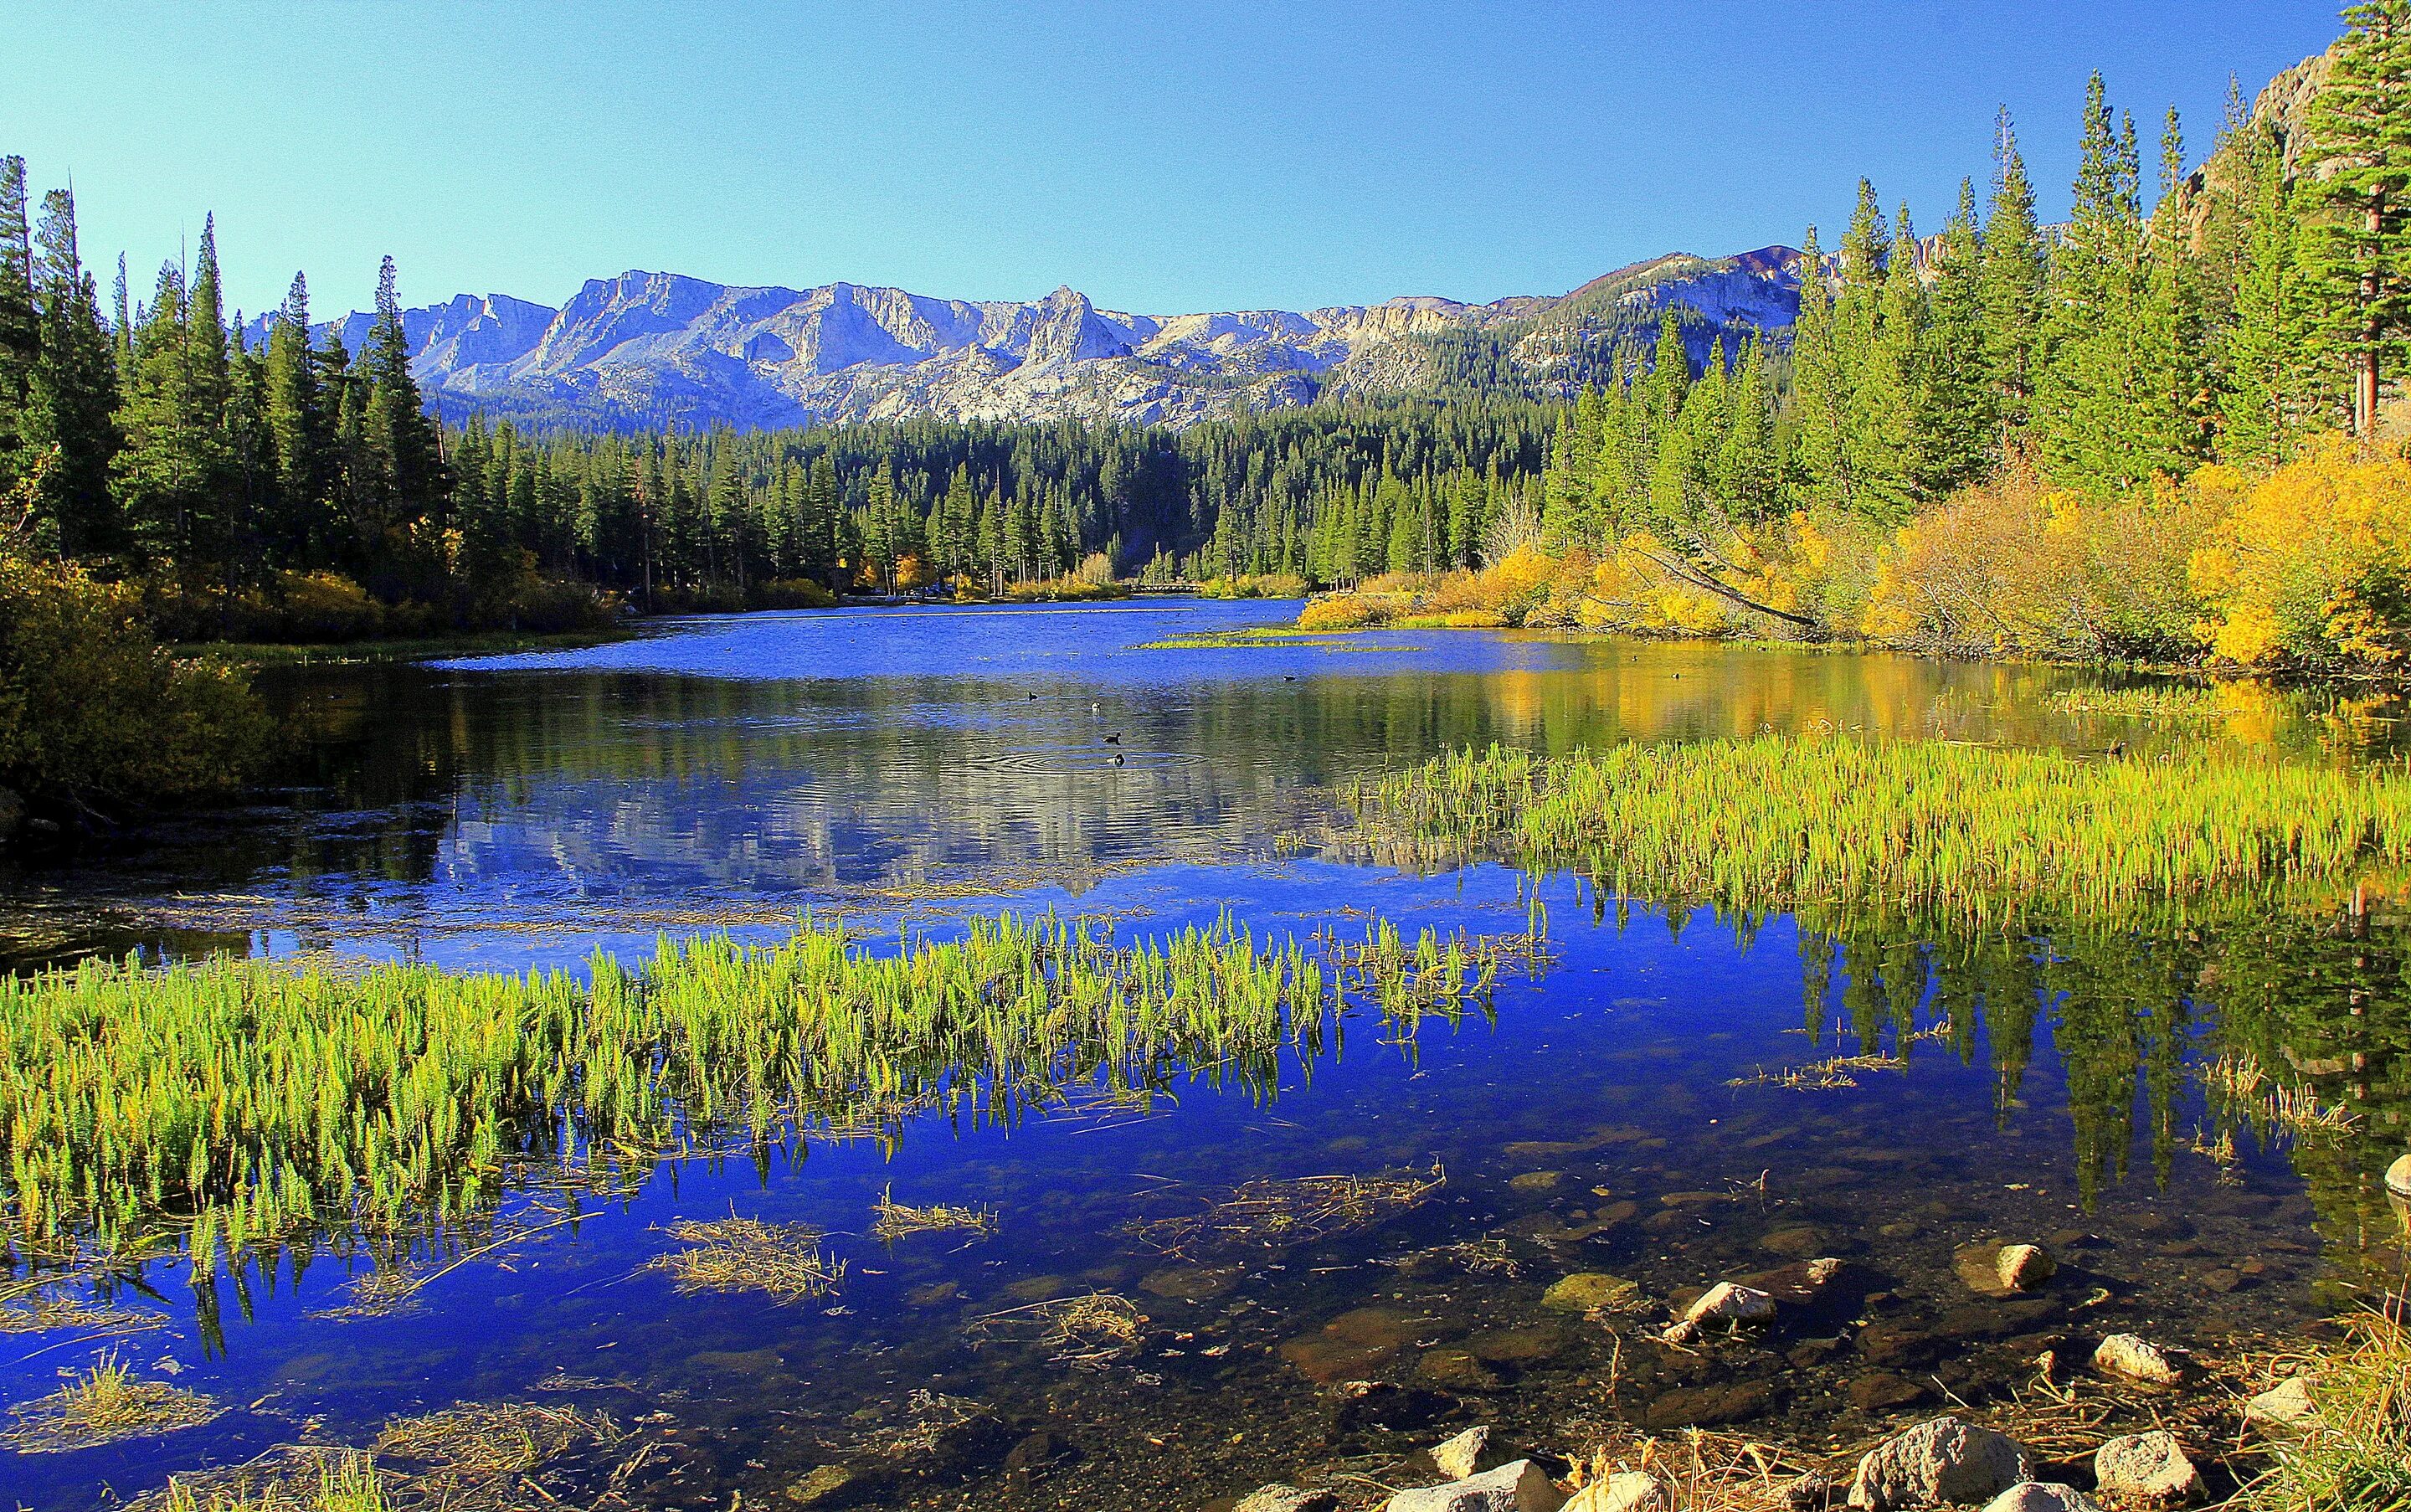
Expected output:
{"points": [[2146, 1466], [2024, 1267], [1821, 1272], [1726, 1303], [1520, 1486], [1941, 1461], [1627, 1491], [1461, 1456], [2287, 1404], [2041, 1496], [2123, 1354], [1279, 1498]]}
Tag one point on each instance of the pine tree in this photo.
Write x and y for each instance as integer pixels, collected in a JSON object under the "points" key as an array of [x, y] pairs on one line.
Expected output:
{"points": [[2360, 253], [2269, 370], [1958, 405], [19, 326], [1820, 389], [400, 443], [297, 424], [73, 412], [2013, 282]]}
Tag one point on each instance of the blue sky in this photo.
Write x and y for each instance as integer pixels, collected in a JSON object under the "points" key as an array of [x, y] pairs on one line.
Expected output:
{"points": [[1160, 157]]}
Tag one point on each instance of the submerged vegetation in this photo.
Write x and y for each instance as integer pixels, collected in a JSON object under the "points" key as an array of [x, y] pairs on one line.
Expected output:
{"points": [[1924, 829], [250, 1102], [733, 1253], [104, 1403]]}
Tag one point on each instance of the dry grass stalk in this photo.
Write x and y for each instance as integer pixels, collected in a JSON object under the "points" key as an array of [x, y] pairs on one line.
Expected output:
{"points": [[1704, 1470], [39, 1304], [106, 1405], [2250, 1092], [1834, 1071], [1094, 1326], [896, 1219], [747, 1255], [478, 1442], [1290, 1209]]}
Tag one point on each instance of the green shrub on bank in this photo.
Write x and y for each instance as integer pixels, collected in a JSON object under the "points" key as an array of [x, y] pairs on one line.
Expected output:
{"points": [[94, 709]]}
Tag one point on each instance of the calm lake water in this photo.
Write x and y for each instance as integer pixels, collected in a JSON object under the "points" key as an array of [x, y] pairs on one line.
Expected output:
{"points": [[913, 766]]}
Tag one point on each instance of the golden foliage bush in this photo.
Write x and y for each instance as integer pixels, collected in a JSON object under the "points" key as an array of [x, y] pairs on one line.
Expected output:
{"points": [[2309, 568], [2014, 568]]}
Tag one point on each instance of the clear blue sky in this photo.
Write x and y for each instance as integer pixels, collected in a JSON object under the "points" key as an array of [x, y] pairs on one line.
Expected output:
{"points": [[1161, 157]]}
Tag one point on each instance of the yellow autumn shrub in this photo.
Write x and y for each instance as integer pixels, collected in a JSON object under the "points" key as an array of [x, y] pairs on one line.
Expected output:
{"points": [[2309, 568]]}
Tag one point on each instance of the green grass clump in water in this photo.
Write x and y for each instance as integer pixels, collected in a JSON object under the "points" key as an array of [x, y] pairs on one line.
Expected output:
{"points": [[1970, 834], [248, 1101]]}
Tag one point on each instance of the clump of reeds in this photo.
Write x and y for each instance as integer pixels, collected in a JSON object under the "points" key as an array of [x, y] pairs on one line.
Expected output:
{"points": [[1970, 834], [1089, 1328], [895, 1219], [784, 1260], [1279, 1210], [39, 1303], [2243, 1089], [105, 1403], [298, 1479], [2158, 703]]}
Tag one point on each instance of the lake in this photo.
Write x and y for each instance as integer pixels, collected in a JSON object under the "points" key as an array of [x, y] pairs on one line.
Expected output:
{"points": [[1651, 1095]]}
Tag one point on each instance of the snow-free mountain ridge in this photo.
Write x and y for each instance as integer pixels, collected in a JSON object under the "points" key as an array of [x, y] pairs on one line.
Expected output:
{"points": [[651, 348]]}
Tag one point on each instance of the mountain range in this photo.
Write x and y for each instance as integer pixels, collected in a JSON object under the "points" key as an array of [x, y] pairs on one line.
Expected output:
{"points": [[655, 348]]}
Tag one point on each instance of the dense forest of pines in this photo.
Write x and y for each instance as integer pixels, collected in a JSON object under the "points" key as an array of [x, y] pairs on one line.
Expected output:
{"points": [[291, 486]]}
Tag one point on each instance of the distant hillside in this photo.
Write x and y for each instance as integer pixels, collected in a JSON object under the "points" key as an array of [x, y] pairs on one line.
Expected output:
{"points": [[648, 349]]}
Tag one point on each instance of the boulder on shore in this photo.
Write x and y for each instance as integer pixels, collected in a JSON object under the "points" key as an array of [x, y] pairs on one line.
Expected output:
{"points": [[1627, 1491], [1279, 1498], [1520, 1486], [2041, 1496], [2287, 1404], [1941, 1461], [2146, 1467], [1466, 1454]]}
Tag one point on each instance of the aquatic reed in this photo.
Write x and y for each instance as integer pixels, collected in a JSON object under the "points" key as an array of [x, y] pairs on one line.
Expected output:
{"points": [[244, 1103], [893, 1219], [1922, 829]]}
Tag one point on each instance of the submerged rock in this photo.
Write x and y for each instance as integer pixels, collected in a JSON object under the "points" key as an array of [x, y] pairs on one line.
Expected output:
{"points": [[1627, 1491], [830, 1486], [1941, 1461], [2287, 1404], [1724, 1302], [2041, 1496], [1589, 1291], [2150, 1467], [2025, 1267], [2127, 1355], [1519, 1487], [1279, 1498], [1992, 1268]]}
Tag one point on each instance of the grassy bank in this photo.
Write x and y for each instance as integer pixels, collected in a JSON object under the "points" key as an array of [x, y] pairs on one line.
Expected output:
{"points": [[1961, 832], [246, 1100], [362, 653]]}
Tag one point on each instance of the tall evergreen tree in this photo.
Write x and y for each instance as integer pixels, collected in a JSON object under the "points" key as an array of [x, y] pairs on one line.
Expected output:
{"points": [[20, 328], [2013, 282], [2360, 253], [74, 408], [1958, 405]]}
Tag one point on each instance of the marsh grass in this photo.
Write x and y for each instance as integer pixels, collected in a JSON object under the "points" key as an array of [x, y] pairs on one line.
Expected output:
{"points": [[1967, 834], [42, 1302], [2356, 1453], [238, 1107], [298, 1480], [1833, 1073], [894, 1220], [2243, 1091], [1277, 1211], [105, 1404], [746, 1254], [2184, 705]]}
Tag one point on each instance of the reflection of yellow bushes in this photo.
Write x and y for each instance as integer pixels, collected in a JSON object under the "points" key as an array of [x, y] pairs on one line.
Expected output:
{"points": [[2310, 567]]}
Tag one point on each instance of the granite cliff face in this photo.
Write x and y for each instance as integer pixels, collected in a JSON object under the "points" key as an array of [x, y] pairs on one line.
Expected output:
{"points": [[648, 349]]}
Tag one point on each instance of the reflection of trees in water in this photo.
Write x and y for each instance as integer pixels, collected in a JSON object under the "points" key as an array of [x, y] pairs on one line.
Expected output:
{"points": [[732, 782], [2134, 1014]]}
